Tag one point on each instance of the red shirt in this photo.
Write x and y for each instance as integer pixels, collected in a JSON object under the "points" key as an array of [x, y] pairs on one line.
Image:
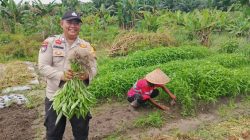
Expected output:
{"points": [[142, 87]]}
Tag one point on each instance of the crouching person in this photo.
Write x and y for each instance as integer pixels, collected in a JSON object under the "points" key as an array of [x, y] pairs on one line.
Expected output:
{"points": [[145, 89]]}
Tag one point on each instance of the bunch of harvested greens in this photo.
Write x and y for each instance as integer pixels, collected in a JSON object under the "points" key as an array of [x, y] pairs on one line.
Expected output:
{"points": [[73, 98]]}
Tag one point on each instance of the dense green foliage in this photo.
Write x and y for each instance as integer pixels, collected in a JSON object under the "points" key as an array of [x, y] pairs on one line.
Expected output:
{"points": [[156, 56], [193, 81]]}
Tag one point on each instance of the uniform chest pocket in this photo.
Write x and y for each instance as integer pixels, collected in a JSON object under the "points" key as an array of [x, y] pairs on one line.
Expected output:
{"points": [[58, 56], [58, 59]]}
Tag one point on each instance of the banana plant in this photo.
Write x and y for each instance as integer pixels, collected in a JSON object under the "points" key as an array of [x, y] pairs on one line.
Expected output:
{"points": [[103, 13], [43, 9], [11, 13], [149, 23], [128, 13], [239, 25], [71, 4], [202, 23]]}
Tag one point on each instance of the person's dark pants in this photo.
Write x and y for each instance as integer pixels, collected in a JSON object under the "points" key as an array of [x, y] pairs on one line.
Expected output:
{"points": [[80, 126], [139, 97]]}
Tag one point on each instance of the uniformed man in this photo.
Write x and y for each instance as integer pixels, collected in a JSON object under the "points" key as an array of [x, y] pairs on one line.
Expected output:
{"points": [[51, 63]]}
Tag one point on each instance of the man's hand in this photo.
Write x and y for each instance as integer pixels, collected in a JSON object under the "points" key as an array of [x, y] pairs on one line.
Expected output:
{"points": [[84, 76], [67, 75]]}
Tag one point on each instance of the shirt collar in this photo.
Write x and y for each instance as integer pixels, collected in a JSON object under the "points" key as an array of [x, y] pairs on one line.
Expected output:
{"points": [[76, 42]]}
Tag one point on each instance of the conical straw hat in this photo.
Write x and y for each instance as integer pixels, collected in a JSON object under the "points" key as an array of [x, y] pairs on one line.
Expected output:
{"points": [[157, 77]]}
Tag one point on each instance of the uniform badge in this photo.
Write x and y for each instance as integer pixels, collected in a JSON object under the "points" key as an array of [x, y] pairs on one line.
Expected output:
{"points": [[44, 46], [83, 46], [45, 43], [58, 41], [57, 52]]}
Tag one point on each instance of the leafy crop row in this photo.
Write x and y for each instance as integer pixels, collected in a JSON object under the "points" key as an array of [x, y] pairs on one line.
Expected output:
{"points": [[155, 56], [230, 60], [193, 81]]}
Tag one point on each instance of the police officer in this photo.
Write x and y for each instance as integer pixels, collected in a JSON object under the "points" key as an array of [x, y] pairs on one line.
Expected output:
{"points": [[52, 65]]}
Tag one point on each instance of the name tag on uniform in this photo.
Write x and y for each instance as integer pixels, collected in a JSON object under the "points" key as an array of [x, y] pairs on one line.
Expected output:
{"points": [[58, 52], [58, 47]]}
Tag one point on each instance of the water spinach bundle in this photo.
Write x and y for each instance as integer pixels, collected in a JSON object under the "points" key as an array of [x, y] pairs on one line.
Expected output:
{"points": [[73, 98]]}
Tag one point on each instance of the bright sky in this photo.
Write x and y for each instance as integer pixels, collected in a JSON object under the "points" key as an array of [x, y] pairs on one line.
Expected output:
{"points": [[48, 1]]}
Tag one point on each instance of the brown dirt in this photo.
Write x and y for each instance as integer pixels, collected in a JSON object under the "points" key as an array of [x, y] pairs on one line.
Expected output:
{"points": [[16, 122], [109, 118], [116, 118]]}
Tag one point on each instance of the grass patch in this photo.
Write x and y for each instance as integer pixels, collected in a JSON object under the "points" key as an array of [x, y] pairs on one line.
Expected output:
{"points": [[154, 119], [19, 47], [35, 98], [15, 73], [225, 110], [234, 127]]}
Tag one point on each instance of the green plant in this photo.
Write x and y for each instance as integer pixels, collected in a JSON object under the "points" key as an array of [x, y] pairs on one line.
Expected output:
{"points": [[192, 81], [155, 56], [229, 47], [148, 23], [230, 60], [5, 39], [33, 101], [154, 119], [20, 47], [73, 99]]}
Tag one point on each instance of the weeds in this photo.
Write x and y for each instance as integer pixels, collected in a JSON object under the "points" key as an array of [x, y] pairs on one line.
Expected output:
{"points": [[154, 119], [233, 127], [15, 73], [19, 48], [229, 47]]}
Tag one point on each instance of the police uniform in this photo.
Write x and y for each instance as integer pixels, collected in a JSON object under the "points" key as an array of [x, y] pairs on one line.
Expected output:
{"points": [[52, 64]]}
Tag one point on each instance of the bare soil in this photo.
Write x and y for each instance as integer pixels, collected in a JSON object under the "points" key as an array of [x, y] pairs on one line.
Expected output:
{"points": [[16, 122], [116, 118]]}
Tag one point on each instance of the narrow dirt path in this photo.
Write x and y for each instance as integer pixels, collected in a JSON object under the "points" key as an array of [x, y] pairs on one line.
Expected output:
{"points": [[109, 118]]}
